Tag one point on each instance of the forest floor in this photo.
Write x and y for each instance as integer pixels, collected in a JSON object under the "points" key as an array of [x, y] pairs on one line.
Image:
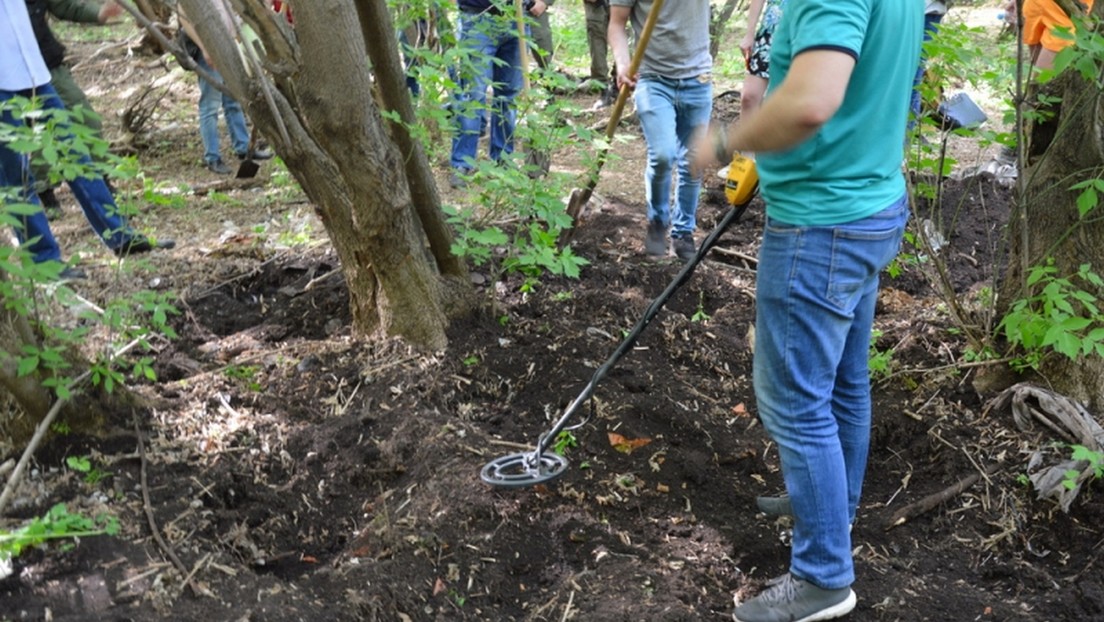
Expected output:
{"points": [[298, 473]]}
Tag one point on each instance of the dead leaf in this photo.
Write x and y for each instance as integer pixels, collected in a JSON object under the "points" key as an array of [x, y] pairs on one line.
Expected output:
{"points": [[626, 445]]}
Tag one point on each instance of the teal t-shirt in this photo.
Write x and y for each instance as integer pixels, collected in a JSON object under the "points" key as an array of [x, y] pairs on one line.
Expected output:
{"points": [[851, 168]]}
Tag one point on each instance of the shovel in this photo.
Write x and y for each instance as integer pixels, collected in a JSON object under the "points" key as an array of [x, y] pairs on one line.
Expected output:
{"points": [[249, 167], [580, 196]]}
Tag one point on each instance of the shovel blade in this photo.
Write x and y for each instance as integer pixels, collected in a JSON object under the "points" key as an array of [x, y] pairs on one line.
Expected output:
{"points": [[248, 169]]}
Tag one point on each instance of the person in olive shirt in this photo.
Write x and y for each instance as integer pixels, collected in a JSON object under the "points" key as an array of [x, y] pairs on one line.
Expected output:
{"points": [[53, 52]]}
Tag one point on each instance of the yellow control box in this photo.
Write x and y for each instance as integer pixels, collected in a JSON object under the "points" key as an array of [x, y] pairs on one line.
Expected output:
{"points": [[742, 181]]}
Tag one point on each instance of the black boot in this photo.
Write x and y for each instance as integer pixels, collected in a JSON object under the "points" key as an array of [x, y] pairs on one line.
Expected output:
{"points": [[50, 203]]}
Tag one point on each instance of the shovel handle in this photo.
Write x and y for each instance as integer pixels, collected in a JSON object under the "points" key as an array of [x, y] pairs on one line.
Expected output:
{"points": [[634, 66], [523, 46]]}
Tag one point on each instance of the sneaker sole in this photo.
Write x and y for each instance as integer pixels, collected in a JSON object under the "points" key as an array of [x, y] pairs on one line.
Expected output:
{"points": [[838, 610]]}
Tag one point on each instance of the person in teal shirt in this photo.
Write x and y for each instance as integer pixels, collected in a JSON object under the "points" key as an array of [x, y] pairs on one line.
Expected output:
{"points": [[829, 141]]}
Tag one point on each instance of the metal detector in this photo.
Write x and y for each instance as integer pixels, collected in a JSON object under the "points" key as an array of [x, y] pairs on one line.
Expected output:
{"points": [[540, 466]]}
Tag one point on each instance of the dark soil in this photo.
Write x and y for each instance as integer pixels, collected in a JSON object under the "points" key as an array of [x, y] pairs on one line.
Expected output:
{"points": [[300, 474]]}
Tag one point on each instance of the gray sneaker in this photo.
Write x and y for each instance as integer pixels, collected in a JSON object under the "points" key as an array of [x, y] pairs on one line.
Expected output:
{"points": [[684, 246], [655, 243], [775, 506], [789, 599]]}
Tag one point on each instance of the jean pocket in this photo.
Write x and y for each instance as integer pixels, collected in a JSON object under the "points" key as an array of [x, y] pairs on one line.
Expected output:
{"points": [[858, 256]]}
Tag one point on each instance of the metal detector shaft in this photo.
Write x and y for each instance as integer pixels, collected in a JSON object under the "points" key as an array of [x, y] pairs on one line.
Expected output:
{"points": [[680, 279]]}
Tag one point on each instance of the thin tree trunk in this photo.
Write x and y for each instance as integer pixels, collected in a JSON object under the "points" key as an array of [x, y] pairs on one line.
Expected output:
{"points": [[314, 104], [383, 50], [1060, 152]]}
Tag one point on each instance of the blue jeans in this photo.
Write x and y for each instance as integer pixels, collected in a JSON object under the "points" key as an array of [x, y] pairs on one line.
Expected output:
{"points": [[494, 58], [210, 101], [931, 26], [815, 294], [669, 112], [91, 192]]}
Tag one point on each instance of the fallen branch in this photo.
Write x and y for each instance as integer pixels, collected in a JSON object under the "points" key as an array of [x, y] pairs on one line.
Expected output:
{"points": [[930, 502], [147, 506]]}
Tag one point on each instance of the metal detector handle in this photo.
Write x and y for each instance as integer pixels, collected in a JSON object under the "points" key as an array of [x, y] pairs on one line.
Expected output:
{"points": [[710, 241]]}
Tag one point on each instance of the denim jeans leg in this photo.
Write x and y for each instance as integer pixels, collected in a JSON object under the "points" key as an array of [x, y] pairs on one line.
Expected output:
{"points": [[931, 26], [470, 103], [235, 124], [15, 171], [693, 106], [506, 81], [814, 308], [93, 194], [210, 100], [655, 107], [99, 208]]}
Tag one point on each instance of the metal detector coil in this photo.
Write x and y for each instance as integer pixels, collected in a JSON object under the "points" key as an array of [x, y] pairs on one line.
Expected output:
{"points": [[524, 469]]}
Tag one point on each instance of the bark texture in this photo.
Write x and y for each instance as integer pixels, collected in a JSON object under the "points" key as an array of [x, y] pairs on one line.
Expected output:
{"points": [[1064, 150], [309, 91]]}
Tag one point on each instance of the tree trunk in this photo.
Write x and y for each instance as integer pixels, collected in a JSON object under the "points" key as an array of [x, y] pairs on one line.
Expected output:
{"points": [[718, 26], [313, 101], [34, 400], [1065, 150]]}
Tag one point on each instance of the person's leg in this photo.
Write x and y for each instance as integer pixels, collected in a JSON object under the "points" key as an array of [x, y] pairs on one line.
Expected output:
{"points": [[506, 80], [597, 22], [931, 26], [751, 97], [812, 307], [542, 39], [470, 103], [693, 107], [655, 107], [851, 394], [235, 125], [15, 172], [72, 96], [92, 192], [210, 101]]}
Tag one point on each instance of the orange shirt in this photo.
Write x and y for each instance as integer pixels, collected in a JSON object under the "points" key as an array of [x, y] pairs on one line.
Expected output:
{"points": [[1040, 18]]}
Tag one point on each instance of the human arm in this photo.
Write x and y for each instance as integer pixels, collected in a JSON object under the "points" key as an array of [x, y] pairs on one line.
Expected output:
{"points": [[754, 11], [807, 98], [618, 37], [82, 11]]}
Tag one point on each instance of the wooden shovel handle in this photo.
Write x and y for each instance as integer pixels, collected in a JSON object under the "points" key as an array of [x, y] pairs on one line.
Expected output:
{"points": [[523, 46], [634, 66]]}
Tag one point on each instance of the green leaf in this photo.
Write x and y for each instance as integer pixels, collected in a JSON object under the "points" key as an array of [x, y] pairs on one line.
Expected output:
{"points": [[1086, 201], [27, 365]]}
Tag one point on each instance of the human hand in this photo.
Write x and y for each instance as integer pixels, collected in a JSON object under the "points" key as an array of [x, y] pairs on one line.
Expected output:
{"points": [[748, 42], [109, 10], [704, 147], [623, 77], [538, 8]]}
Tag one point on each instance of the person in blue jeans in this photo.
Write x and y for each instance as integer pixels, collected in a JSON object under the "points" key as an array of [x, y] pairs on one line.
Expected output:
{"points": [[24, 74], [828, 138], [211, 101], [673, 97], [489, 32], [934, 10]]}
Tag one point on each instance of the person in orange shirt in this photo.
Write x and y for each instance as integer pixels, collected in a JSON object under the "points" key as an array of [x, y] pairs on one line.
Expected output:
{"points": [[1040, 18]]}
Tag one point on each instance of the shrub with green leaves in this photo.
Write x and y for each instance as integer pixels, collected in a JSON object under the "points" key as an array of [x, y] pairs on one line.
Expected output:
{"points": [[57, 524], [1061, 316], [58, 138]]}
